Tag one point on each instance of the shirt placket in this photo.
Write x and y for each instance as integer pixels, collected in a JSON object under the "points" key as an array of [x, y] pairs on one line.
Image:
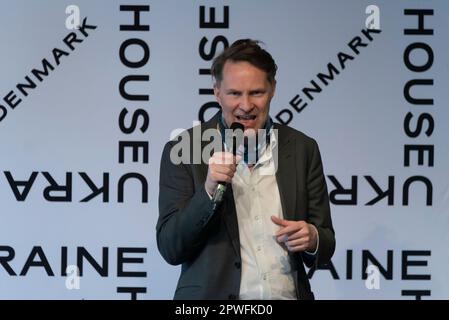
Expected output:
{"points": [[256, 214]]}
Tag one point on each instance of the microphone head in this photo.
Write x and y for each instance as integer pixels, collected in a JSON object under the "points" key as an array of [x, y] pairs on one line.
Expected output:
{"points": [[237, 125], [235, 138]]}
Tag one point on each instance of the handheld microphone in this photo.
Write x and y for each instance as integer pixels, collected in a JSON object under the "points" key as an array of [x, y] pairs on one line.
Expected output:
{"points": [[236, 135]]}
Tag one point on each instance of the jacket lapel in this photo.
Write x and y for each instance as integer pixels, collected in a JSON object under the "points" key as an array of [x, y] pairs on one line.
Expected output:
{"points": [[229, 215], [286, 172]]}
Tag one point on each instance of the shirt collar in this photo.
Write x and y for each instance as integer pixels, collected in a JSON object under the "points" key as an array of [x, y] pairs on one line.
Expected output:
{"points": [[254, 153]]}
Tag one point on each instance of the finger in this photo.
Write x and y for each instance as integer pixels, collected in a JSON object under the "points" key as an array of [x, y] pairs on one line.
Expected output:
{"points": [[221, 154], [223, 170], [299, 234], [231, 166], [289, 229], [298, 242], [292, 233], [292, 226], [219, 177], [282, 239], [220, 163], [297, 248], [223, 158], [279, 221], [216, 156]]}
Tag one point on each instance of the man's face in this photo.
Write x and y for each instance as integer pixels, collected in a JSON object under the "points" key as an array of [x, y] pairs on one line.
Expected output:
{"points": [[244, 94]]}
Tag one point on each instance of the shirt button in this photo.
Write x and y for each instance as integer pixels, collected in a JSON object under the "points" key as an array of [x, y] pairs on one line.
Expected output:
{"points": [[238, 265], [258, 248], [265, 277], [256, 217]]}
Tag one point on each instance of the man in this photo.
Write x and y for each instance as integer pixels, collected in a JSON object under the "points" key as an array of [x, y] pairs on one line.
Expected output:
{"points": [[255, 245]]}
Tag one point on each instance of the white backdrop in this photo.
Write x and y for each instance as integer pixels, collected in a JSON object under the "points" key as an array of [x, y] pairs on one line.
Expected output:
{"points": [[68, 126]]}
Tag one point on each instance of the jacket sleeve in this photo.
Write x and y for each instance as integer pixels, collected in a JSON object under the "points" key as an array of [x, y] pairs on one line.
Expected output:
{"points": [[185, 212], [319, 211]]}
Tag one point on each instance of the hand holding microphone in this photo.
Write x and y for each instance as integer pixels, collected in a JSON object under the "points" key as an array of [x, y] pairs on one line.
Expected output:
{"points": [[222, 166]]}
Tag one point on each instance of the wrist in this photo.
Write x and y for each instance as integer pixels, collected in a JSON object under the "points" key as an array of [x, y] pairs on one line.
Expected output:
{"points": [[210, 190], [313, 247]]}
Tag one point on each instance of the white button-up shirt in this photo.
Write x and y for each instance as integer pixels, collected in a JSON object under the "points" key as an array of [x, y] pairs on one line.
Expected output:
{"points": [[266, 270]]}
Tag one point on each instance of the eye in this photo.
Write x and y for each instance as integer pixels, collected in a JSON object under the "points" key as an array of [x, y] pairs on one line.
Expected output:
{"points": [[257, 93]]}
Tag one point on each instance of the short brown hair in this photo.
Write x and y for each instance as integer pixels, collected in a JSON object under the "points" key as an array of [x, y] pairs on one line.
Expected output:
{"points": [[245, 50]]}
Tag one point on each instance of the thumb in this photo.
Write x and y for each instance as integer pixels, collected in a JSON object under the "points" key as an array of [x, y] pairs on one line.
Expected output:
{"points": [[279, 221], [238, 158]]}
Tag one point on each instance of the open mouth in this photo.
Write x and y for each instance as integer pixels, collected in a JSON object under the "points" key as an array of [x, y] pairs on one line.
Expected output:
{"points": [[246, 117]]}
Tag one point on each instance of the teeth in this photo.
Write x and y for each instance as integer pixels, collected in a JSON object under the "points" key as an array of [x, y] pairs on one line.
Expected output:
{"points": [[248, 117]]}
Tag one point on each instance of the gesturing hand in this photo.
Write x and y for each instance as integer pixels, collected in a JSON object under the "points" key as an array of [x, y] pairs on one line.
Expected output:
{"points": [[297, 235]]}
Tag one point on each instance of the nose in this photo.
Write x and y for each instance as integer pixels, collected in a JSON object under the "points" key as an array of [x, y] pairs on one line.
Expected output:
{"points": [[246, 103]]}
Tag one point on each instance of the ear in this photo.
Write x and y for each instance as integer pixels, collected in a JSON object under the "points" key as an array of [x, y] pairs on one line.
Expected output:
{"points": [[217, 92], [273, 88]]}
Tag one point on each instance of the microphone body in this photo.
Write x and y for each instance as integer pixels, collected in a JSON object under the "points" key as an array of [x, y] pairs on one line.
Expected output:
{"points": [[237, 138], [217, 199]]}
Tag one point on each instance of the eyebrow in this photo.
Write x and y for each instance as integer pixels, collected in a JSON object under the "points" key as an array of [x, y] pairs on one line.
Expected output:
{"points": [[253, 90]]}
